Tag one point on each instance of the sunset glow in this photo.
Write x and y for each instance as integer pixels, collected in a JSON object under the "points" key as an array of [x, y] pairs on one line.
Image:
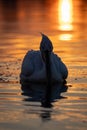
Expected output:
{"points": [[65, 15], [65, 37]]}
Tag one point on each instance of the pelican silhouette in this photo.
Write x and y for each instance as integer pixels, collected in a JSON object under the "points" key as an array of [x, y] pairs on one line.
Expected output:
{"points": [[43, 66]]}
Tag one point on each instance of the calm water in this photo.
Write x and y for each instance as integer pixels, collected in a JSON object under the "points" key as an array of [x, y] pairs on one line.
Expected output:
{"points": [[65, 22]]}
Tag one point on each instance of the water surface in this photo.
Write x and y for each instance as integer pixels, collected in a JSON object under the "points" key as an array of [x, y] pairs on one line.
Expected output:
{"points": [[20, 24]]}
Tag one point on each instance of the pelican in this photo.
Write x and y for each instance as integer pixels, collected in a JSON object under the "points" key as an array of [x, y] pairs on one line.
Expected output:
{"points": [[42, 65]]}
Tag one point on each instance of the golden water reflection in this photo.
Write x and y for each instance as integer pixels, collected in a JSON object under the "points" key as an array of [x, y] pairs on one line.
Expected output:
{"points": [[65, 37], [65, 15], [65, 10]]}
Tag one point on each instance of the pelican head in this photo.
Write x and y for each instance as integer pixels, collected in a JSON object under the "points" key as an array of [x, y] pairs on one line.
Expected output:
{"points": [[46, 44]]}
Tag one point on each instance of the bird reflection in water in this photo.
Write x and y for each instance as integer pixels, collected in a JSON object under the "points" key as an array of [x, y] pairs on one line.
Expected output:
{"points": [[46, 115], [37, 92]]}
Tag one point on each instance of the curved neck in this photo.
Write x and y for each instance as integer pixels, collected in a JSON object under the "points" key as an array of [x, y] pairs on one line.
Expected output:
{"points": [[48, 66], [48, 74], [46, 59]]}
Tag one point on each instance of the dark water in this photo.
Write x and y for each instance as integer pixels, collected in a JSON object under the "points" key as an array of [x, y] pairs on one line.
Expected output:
{"points": [[65, 22]]}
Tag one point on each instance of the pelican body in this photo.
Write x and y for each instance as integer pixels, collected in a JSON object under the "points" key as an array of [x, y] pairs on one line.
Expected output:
{"points": [[34, 70], [43, 66]]}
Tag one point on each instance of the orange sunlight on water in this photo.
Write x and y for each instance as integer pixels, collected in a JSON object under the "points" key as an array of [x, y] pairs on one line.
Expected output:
{"points": [[65, 15], [65, 11]]}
